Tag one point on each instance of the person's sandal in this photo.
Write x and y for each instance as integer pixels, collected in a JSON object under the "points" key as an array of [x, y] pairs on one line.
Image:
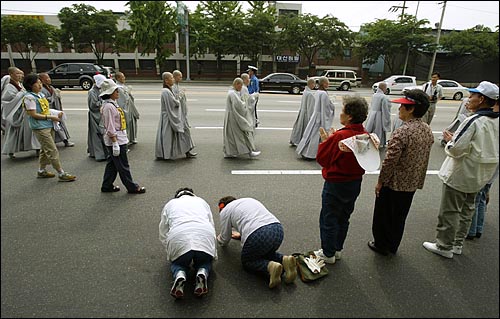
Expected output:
{"points": [[140, 190], [112, 190]]}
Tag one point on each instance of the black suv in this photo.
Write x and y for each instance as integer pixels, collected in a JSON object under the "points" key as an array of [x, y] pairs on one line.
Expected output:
{"points": [[76, 74]]}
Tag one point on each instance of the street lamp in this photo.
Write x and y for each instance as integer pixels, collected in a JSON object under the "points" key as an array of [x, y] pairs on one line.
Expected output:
{"points": [[183, 19], [431, 69]]}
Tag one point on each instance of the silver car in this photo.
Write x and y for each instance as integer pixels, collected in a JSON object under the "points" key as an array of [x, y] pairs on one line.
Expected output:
{"points": [[451, 89]]}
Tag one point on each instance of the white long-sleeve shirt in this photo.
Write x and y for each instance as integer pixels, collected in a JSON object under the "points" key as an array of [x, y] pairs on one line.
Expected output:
{"points": [[187, 224], [246, 215]]}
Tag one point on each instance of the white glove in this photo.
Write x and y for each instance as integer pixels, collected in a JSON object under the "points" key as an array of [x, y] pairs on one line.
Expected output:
{"points": [[116, 149], [314, 264], [256, 95]]}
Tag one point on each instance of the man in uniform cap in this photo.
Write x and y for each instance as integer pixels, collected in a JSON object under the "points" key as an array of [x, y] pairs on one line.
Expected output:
{"points": [[254, 88]]}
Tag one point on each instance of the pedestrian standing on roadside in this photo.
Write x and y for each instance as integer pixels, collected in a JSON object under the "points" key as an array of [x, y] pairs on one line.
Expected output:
{"points": [[95, 134], [116, 141], [435, 93], [187, 231], [53, 95], [238, 133], [403, 171], [305, 112], [261, 236], [472, 157], [42, 123], [127, 101], [254, 87]]}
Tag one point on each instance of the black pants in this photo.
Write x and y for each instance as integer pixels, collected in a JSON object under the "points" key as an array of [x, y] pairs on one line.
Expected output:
{"points": [[118, 165], [389, 217]]}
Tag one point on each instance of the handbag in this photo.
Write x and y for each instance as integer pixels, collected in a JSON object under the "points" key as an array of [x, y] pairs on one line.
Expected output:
{"points": [[306, 275]]}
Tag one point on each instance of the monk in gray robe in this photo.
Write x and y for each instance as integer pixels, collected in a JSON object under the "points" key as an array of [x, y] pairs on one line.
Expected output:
{"points": [[238, 128], [53, 95], [180, 94], [322, 117], [379, 117], [95, 138], [18, 135], [249, 99], [305, 112], [127, 103], [170, 143]]}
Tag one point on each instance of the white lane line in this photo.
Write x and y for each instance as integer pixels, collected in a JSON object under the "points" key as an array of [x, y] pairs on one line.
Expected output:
{"points": [[189, 100], [289, 101], [265, 111], [299, 172], [258, 128]]}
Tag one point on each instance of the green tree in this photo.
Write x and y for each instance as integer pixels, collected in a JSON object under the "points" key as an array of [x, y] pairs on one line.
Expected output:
{"points": [[221, 25], [309, 35], [259, 35], [478, 42], [83, 27], [154, 24], [390, 39], [27, 35]]}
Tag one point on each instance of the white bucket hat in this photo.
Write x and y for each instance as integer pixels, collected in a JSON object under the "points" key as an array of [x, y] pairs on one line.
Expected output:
{"points": [[108, 87], [365, 148], [98, 79]]}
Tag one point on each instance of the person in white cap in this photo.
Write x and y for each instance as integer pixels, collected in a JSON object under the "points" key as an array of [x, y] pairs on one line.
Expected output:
{"points": [[343, 175], [472, 157], [116, 141], [187, 232], [403, 171], [254, 87], [95, 142]]}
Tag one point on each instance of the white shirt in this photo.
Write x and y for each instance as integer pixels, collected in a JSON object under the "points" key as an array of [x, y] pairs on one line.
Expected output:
{"points": [[246, 215], [187, 224]]}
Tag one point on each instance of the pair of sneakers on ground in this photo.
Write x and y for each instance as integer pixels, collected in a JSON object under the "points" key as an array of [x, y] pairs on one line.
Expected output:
{"points": [[329, 260], [201, 287], [63, 177], [275, 269], [434, 248]]}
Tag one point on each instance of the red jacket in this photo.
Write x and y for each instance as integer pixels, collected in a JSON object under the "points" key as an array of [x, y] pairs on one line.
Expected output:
{"points": [[339, 166]]}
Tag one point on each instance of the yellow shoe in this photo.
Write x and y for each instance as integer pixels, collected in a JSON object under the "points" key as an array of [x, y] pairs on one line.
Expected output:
{"points": [[275, 269]]}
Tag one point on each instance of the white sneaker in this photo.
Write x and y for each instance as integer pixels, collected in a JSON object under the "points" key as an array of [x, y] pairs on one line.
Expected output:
{"points": [[338, 255], [457, 250], [201, 287], [177, 290], [328, 260], [433, 247], [254, 153]]}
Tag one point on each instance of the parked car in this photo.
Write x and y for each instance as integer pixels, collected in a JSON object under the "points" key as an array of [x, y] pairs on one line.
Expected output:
{"points": [[340, 79], [396, 83], [110, 72], [76, 74], [451, 89], [282, 82]]}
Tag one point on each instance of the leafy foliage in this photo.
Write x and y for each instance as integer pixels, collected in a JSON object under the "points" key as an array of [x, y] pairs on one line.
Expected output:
{"points": [[308, 34], [391, 39], [83, 27], [27, 35], [153, 24], [479, 42]]}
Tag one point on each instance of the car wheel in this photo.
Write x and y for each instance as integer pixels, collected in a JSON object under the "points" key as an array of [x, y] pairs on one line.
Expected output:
{"points": [[458, 96], [316, 85], [345, 87], [86, 84], [296, 90]]}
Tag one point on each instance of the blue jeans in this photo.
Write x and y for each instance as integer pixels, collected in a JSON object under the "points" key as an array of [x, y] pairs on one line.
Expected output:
{"points": [[337, 206], [200, 260], [261, 247], [478, 219]]}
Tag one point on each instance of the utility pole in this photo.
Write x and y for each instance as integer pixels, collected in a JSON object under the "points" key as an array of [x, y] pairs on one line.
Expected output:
{"points": [[396, 8], [183, 19], [431, 69], [408, 49]]}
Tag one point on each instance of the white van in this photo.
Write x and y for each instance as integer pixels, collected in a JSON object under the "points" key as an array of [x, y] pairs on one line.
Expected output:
{"points": [[340, 79]]}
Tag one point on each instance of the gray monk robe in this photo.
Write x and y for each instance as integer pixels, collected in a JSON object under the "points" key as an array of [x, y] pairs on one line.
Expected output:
{"points": [[379, 117], [95, 140], [238, 129], [170, 143], [53, 95], [127, 103], [322, 117], [305, 112], [18, 134], [180, 95]]}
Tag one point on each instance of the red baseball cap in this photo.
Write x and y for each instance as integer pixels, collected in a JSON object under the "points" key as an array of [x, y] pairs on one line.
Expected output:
{"points": [[404, 100]]}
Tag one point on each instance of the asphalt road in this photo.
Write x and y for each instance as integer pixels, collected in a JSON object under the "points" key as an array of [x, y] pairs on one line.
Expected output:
{"points": [[69, 250]]}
